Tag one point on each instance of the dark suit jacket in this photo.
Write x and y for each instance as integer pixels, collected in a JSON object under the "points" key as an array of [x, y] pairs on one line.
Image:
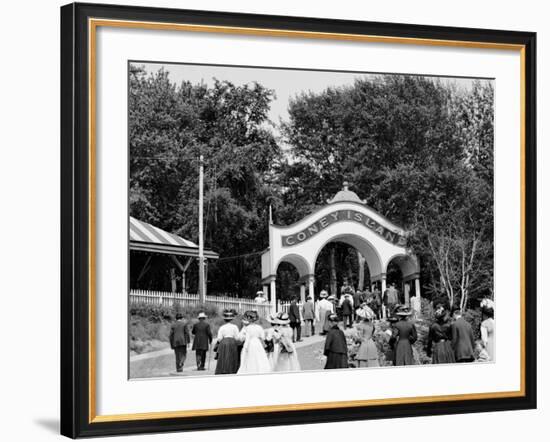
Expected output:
{"points": [[203, 335], [347, 308], [179, 334], [294, 312], [463, 339]]}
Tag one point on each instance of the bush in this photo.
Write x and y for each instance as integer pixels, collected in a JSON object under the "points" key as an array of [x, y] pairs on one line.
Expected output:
{"points": [[158, 313], [150, 324]]}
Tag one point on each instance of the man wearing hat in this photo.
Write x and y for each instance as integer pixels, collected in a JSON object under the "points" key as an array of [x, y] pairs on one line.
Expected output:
{"points": [[203, 337], [346, 306], [391, 298], [179, 338], [336, 349], [324, 307], [308, 313], [295, 320]]}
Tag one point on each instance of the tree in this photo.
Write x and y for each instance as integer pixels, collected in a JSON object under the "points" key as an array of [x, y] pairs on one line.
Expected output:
{"points": [[170, 126], [419, 151]]}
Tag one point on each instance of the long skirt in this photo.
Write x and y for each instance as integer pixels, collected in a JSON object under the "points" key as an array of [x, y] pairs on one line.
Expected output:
{"points": [[336, 360], [228, 356], [273, 355], [254, 358], [442, 353], [287, 361], [404, 353], [368, 353]]}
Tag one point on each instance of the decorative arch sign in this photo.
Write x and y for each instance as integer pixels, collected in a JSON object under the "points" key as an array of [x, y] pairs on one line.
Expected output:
{"points": [[343, 215]]}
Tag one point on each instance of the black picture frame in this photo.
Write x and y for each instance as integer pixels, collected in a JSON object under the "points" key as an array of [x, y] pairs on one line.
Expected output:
{"points": [[76, 418]]}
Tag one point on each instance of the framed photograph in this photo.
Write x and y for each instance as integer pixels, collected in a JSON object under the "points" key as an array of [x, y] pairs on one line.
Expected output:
{"points": [[274, 220]]}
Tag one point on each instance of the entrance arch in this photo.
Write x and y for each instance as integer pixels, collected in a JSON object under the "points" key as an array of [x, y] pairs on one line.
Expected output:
{"points": [[361, 244], [345, 218]]}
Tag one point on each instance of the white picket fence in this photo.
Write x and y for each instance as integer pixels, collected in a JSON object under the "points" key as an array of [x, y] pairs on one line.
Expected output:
{"points": [[191, 299], [284, 305]]}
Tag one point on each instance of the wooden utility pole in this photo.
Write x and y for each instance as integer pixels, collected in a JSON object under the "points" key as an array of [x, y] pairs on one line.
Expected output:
{"points": [[202, 285]]}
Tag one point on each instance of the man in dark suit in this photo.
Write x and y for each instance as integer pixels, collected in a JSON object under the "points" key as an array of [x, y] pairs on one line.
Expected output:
{"points": [[463, 341], [346, 305], [203, 338], [295, 321], [308, 313], [179, 338]]}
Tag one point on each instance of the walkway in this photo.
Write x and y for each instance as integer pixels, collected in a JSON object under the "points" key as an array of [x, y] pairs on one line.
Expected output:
{"points": [[161, 363]]}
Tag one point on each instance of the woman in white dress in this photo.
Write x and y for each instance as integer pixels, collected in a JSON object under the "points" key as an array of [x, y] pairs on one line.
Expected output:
{"points": [[287, 359], [487, 330], [253, 356]]}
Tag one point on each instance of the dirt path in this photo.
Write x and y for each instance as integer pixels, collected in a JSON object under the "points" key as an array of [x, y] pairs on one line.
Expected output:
{"points": [[162, 363]]}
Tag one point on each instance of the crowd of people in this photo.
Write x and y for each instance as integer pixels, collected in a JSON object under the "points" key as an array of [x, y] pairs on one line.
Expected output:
{"points": [[251, 349], [255, 349]]}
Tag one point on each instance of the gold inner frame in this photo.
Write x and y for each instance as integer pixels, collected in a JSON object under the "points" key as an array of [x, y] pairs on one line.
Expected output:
{"points": [[93, 24]]}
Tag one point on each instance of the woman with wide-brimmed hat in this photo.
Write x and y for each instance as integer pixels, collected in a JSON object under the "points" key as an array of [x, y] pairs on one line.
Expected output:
{"points": [[253, 356], [405, 336], [227, 346], [272, 338], [287, 357], [367, 354], [439, 339]]}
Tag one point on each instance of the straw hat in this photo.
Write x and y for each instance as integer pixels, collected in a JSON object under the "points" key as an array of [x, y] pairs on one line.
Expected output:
{"points": [[228, 314], [403, 311], [283, 318], [365, 312], [251, 315], [202, 315], [273, 319]]}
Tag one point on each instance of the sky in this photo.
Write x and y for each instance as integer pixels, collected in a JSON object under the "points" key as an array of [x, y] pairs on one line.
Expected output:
{"points": [[286, 83]]}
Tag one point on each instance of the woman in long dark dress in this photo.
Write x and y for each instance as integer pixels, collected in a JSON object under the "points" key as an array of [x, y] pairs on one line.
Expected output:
{"points": [[439, 340], [336, 348], [227, 346], [405, 333]]}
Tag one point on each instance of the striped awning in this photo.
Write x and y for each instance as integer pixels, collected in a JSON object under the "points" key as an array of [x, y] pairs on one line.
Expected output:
{"points": [[148, 238]]}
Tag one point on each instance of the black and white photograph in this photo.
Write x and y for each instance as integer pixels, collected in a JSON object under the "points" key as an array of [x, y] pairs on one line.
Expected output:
{"points": [[288, 220]]}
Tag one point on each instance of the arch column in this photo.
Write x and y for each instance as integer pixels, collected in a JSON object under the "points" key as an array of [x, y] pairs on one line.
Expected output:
{"points": [[311, 281], [383, 284], [302, 293], [273, 294], [406, 293]]}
